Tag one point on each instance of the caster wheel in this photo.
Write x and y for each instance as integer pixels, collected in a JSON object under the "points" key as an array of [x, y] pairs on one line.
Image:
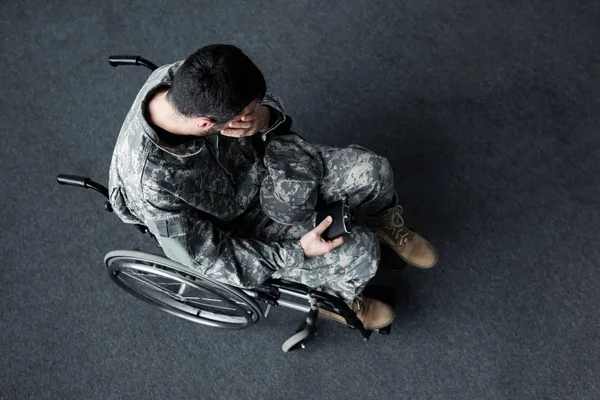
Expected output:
{"points": [[296, 341]]}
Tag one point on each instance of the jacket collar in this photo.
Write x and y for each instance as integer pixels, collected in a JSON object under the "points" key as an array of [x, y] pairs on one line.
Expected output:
{"points": [[163, 76]]}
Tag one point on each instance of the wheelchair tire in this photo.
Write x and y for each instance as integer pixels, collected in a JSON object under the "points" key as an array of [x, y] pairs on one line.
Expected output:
{"points": [[195, 297]]}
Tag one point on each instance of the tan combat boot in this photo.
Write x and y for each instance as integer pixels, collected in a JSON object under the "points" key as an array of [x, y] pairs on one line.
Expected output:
{"points": [[374, 314], [409, 245]]}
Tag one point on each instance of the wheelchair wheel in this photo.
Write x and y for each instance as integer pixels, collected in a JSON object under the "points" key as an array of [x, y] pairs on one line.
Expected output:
{"points": [[176, 289], [296, 341]]}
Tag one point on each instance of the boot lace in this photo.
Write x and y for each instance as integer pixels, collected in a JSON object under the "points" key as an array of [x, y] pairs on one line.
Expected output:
{"points": [[357, 304], [393, 224]]}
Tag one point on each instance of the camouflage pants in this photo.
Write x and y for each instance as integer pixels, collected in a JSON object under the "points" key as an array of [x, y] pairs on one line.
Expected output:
{"points": [[367, 181]]}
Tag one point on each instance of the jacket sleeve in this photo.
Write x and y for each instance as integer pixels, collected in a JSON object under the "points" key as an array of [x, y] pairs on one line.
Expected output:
{"points": [[278, 117], [195, 242]]}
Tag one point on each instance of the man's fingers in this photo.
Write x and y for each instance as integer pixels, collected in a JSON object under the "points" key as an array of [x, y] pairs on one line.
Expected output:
{"points": [[240, 124], [336, 243], [329, 246], [234, 132], [247, 117], [319, 229]]}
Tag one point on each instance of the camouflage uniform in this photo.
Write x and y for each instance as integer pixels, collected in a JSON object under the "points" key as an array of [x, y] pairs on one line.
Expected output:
{"points": [[235, 208]]}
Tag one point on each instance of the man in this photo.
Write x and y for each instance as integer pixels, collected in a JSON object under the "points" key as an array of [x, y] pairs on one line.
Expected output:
{"points": [[206, 160]]}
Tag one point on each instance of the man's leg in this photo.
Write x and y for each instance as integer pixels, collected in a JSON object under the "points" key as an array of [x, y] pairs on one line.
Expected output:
{"points": [[344, 272], [366, 179], [358, 174]]}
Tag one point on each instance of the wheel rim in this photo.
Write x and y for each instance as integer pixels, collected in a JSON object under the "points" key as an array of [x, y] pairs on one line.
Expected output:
{"points": [[187, 296]]}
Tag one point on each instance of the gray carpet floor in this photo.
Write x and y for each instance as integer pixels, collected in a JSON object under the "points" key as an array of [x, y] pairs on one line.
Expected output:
{"points": [[488, 112]]}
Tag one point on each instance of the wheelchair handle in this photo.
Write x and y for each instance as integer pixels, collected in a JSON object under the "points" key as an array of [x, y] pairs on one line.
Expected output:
{"points": [[72, 180], [82, 181], [115, 61]]}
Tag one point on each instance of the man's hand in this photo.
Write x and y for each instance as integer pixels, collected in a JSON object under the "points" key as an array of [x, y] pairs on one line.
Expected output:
{"points": [[248, 124], [314, 245]]}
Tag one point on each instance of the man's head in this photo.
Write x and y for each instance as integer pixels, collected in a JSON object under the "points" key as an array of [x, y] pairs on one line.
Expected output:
{"points": [[214, 85]]}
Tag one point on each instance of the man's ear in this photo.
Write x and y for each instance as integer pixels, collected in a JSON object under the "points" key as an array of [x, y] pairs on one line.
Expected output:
{"points": [[203, 123]]}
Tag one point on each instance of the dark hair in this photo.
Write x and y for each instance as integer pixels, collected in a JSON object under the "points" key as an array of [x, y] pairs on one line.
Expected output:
{"points": [[217, 82]]}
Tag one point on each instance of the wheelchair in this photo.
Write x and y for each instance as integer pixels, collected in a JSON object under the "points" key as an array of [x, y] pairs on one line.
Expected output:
{"points": [[186, 293]]}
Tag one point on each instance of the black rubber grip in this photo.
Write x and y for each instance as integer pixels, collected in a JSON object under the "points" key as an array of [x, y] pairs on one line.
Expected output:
{"points": [[123, 60], [73, 180], [115, 61]]}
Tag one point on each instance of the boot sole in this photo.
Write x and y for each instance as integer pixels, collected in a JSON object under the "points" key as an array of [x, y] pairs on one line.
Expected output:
{"points": [[420, 266], [437, 257], [343, 321]]}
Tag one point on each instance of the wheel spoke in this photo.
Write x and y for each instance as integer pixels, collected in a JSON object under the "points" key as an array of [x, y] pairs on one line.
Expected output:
{"points": [[151, 284], [185, 294], [154, 285], [182, 289], [146, 275]]}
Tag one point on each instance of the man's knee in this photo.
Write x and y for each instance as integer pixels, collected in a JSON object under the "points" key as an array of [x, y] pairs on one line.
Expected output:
{"points": [[373, 169]]}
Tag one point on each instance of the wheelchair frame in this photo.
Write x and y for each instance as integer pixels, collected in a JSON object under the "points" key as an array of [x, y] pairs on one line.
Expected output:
{"points": [[269, 293]]}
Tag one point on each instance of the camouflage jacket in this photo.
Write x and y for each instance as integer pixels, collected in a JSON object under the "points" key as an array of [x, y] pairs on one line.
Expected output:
{"points": [[193, 194]]}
